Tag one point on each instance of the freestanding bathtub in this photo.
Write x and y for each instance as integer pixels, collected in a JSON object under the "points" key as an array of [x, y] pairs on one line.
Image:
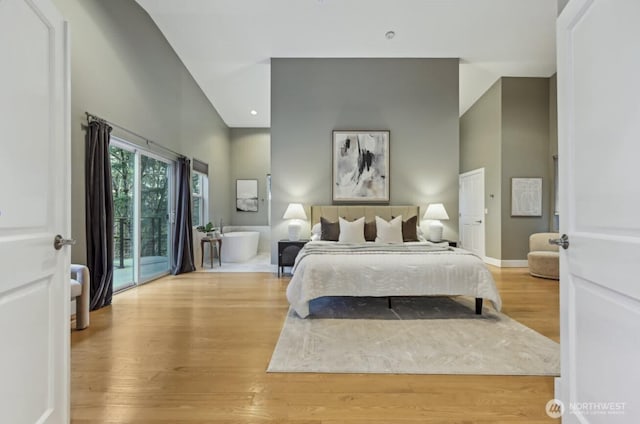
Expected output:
{"points": [[239, 246]]}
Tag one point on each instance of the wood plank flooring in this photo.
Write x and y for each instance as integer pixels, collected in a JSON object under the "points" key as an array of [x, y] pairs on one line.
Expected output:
{"points": [[194, 349]]}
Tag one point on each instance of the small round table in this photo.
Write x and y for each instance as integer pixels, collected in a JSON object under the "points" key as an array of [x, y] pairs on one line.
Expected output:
{"points": [[213, 242]]}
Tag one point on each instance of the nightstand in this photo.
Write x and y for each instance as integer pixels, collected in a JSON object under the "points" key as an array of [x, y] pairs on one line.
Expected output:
{"points": [[451, 242], [287, 252]]}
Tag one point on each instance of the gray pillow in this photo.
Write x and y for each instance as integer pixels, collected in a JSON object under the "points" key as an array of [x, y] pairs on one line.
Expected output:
{"points": [[370, 231], [329, 231]]}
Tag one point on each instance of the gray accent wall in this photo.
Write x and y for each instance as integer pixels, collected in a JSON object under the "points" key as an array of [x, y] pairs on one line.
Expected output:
{"points": [[416, 99], [508, 131], [251, 159], [481, 147], [124, 70], [525, 150]]}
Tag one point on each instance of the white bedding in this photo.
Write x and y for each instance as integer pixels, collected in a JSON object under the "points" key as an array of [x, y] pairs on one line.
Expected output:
{"points": [[437, 273]]}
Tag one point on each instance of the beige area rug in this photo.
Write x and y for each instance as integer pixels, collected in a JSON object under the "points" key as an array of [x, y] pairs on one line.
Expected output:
{"points": [[420, 335]]}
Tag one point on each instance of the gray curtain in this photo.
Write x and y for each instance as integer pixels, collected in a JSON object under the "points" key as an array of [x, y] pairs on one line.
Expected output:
{"points": [[183, 235], [99, 213]]}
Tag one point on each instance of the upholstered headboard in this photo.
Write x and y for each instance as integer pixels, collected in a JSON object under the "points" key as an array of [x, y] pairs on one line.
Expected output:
{"points": [[332, 212]]}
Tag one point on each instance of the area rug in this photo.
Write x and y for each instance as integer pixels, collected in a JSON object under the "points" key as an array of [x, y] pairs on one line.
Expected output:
{"points": [[419, 335]]}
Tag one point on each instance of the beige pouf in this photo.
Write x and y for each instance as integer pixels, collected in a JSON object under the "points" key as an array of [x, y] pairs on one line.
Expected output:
{"points": [[544, 258]]}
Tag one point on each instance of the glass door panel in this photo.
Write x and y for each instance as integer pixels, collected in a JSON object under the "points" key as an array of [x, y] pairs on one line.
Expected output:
{"points": [[154, 214], [123, 180]]}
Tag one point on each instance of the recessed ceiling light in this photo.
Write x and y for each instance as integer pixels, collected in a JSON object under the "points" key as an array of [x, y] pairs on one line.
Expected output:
{"points": [[390, 34], [254, 112]]}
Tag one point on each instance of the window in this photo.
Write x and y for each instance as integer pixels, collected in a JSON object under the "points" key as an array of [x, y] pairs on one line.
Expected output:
{"points": [[199, 198]]}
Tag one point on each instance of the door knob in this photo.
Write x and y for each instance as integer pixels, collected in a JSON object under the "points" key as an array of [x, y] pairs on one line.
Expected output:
{"points": [[562, 241], [59, 242]]}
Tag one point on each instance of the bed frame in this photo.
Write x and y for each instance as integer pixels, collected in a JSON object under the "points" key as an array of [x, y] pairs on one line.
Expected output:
{"points": [[351, 212]]}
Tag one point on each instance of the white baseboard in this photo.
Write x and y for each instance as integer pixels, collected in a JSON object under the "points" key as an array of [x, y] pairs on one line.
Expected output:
{"points": [[514, 263], [492, 261]]}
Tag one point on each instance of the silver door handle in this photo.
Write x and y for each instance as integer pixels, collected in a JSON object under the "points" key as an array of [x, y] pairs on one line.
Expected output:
{"points": [[59, 242], [479, 222], [562, 241]]}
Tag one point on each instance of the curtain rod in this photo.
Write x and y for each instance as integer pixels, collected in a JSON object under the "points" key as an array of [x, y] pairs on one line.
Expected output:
{"points": [[91, 116]]}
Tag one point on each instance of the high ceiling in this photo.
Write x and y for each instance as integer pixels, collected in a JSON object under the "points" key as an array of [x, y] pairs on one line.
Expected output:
{"points": [[227, 45]]}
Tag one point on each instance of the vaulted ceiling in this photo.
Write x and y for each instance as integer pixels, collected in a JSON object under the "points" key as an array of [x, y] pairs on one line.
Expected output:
{"points": [[227, 45]]}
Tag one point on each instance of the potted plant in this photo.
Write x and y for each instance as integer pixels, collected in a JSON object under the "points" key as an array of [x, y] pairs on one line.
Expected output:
{"points": [[208, 229]]}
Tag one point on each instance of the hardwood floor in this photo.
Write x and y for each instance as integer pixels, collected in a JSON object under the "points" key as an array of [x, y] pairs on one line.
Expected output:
{"points": [[194, 349]]}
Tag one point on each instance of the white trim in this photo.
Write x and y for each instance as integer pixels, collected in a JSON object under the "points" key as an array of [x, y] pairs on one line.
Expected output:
{"points": [[512, 263], [491, 261], [516, 263]]}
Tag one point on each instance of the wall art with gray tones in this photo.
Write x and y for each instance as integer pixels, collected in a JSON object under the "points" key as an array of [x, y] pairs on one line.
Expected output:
{"points": [[361, 166]]}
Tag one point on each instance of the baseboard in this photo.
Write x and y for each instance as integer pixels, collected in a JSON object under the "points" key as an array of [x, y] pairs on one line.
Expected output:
{"points": [[512, 263], [516, 263], [492, 261]]}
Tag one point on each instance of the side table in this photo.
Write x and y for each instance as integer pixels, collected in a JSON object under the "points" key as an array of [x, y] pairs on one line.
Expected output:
{"points": [[213, 242], [287, 253]]}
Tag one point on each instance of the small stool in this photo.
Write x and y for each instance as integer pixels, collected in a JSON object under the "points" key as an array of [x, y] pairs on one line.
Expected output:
{"points": [[213, 242]]}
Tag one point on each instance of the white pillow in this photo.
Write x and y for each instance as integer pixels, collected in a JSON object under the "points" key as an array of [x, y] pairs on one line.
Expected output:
{"points": [[315, 237], [389, 232], [351, 232], [316, 230]]}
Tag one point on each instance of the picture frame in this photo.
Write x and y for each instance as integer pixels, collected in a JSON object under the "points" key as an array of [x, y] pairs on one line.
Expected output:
{"points": [[526, 196], [247, 195], [360, 166]]}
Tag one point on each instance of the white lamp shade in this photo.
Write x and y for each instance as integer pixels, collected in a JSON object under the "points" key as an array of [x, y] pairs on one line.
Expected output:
{"points": [[295, 211], [436, 211]]}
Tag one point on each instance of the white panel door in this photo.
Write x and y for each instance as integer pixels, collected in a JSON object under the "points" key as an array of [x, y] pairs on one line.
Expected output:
{"points": [[34, 207], [471, 222], [599, 151]]}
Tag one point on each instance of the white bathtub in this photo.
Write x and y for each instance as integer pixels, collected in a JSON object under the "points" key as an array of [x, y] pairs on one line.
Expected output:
{"points": [[239, 246]]}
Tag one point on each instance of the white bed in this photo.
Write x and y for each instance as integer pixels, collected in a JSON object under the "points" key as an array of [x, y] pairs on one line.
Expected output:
{"points": [[405, 271]]}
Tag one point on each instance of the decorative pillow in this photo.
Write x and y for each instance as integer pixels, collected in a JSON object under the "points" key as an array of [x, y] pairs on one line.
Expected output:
{"points": [[351, 232], [370, 231], [315, 237], [329, 231], [316, 230], [409, 229], [389, 232]]}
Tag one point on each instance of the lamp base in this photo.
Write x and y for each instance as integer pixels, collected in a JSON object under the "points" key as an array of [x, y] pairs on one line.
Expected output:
{"points": [[435, 231], [294, 231]]}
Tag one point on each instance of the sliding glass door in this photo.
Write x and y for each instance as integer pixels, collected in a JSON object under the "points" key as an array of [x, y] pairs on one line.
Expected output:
{"points": [[142, 186], [123, 176], [154, 217]]}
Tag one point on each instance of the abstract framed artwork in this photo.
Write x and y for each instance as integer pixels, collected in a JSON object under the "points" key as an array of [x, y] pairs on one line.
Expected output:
{"points": [[247, 195], [526, 196], [360, 166]]}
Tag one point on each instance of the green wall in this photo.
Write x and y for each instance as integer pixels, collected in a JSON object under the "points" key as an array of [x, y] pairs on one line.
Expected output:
{"points": [[481, 147], [124, 70], [416, 99], [525, 150], [251, 159], [511, 131]]}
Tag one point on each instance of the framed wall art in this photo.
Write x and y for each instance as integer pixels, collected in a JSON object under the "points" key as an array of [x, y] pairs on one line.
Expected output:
{"points": [[360, 166], [247, 195], [526, 196]]}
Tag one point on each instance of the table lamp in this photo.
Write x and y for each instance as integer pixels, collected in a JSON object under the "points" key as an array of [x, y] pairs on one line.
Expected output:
{"points": [[436, 212], [295, 212]]}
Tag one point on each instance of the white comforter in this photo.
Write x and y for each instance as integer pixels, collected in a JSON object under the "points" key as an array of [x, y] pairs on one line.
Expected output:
{"points": [[439, 273]]}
